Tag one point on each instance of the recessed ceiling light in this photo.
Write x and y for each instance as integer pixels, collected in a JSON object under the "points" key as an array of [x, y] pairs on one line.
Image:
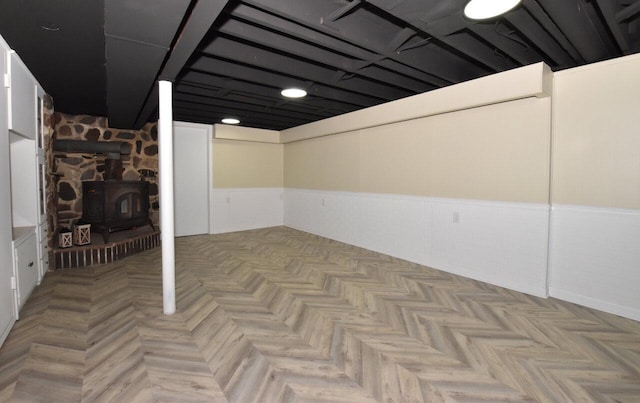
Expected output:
{"points": [[230, 121], [485, 9], [293, 93]]}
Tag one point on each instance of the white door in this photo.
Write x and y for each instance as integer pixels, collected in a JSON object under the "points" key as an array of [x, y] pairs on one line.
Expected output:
{"points": [[191, 145]]}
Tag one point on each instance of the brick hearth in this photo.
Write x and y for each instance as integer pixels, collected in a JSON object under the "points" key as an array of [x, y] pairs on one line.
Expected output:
{"points": [[122, 244]]}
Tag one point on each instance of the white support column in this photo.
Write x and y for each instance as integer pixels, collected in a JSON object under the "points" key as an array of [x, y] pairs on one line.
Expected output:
{"points": [[165, 162]]}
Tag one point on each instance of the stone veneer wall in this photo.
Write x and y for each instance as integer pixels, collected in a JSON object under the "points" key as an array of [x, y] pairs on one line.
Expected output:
{"points": [[50, 179], [71, 169]]}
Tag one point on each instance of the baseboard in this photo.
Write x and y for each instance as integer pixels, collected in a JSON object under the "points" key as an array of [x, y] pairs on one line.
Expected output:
{"points": [[594, 303]]}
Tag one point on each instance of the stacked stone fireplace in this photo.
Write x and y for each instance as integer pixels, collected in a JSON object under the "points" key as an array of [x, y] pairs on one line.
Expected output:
{"points": [[128, 179], [112, 204]]}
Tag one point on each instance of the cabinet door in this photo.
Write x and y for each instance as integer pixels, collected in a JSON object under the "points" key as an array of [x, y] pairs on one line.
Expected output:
{"points": [[24, 181], [26, 268], [22, 99]]}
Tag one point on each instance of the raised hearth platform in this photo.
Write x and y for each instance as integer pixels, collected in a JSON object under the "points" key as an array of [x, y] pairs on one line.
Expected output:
{"points": [[121, 244]]}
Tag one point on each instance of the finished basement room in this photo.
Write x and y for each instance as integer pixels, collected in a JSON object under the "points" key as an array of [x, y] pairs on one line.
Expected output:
{"points": [[301, 201]]}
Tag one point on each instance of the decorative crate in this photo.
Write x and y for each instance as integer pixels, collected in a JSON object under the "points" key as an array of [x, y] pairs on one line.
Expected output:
{"points": [[82, 234], [65, 239]]}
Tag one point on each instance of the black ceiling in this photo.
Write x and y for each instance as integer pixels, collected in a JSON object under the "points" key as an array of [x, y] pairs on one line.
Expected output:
{"points": [[232, 58]]}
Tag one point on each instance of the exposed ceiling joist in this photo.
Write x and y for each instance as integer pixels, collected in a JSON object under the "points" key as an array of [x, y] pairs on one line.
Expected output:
{"points": [[505, 41], [326, 41], [234, 56], [539, 14], [629, 12], [197, 24], [135, 52], [344, 10]]}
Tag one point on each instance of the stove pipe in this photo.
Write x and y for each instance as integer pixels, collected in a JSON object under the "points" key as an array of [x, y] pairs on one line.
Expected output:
{"points": [[112, 149]]}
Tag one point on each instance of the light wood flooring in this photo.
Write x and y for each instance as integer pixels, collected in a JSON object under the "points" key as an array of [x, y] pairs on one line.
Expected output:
{"points": [[279, 315]]}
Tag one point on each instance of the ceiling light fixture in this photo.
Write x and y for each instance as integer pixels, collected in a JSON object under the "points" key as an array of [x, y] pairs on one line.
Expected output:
{"points": [[485, 9], [293, 93], [230, 121]]}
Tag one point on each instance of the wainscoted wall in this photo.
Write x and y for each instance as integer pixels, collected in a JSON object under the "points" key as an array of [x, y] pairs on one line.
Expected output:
{"points": [[501, 243], [247, 181], [595, 258], [595, 225], [498, 242], [240, 209], [465, 191], [399, 188]]}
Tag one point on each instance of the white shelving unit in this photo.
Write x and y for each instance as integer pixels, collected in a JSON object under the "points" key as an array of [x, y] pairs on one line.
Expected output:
{"points": [[23, 218]]}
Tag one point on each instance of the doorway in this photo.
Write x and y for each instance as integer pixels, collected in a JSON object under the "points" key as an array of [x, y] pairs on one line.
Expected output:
{"points": [[192, 173]]}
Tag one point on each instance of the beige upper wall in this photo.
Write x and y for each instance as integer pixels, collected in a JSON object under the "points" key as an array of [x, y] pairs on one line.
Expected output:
{"points": [[232, 132], [596, 134], [495, 152], [245, 164]]}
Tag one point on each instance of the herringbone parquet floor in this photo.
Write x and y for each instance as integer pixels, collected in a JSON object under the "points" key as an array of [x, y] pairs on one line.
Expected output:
{"points": [[278, 315]]}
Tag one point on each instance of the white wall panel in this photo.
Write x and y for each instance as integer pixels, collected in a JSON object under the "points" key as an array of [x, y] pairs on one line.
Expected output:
{"points": [[499, 243], [496, 242], [595, 258], [244, 209]]}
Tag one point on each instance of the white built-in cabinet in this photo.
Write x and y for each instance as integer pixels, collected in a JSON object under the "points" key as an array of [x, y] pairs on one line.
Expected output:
{"points": [[23, 217], [7, 299], [25, 257]]}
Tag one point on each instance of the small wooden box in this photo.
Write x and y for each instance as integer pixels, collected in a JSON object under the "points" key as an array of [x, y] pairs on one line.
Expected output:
{"points": [[65, 239], [82, 234]]}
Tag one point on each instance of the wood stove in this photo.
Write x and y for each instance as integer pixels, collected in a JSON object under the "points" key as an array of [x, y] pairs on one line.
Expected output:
{"points": [[115, 205]]}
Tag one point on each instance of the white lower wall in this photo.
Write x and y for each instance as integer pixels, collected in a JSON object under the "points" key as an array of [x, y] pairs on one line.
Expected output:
{"points": [[240, 209], [500, 243], [594, 253], [595, 258]]}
